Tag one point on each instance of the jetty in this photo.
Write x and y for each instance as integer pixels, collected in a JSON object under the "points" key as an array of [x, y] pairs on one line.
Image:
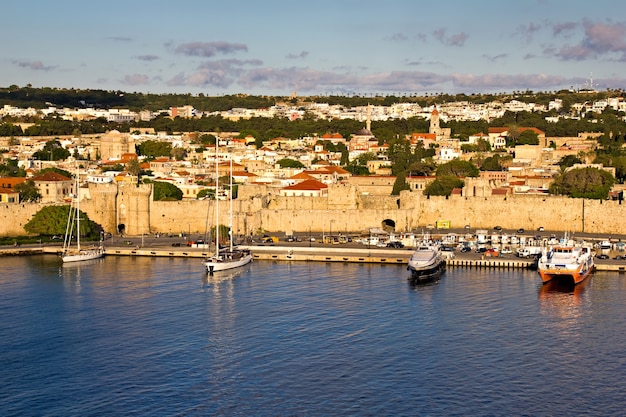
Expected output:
{"points": [[315, 254]]}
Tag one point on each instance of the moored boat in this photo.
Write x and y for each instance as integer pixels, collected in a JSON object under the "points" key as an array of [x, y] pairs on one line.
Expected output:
{"points": [[571, 264], [426, 264], [228, 259], [77, 253]]}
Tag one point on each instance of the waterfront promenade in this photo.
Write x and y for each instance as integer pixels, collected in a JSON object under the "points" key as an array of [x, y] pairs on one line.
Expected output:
{"points": [[316, 253]]}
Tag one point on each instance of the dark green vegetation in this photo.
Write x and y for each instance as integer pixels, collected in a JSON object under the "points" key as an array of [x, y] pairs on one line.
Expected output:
{"points": [[164, 191], [583, 183], [28, 191], [52, 221]]}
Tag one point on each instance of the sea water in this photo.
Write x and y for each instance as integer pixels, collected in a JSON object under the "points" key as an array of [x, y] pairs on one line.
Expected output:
{"points": [[159, 337]]}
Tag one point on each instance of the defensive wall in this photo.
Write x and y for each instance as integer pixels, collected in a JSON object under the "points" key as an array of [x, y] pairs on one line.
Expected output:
{"points": [[344, 210]]}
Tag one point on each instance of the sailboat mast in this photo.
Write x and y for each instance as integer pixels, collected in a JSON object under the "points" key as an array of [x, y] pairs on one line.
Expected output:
{"points": [[230, 196], [77, 184], [217, 225]]}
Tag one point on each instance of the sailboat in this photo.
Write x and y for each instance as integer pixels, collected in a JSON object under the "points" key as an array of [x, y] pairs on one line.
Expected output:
{"points": [[77, 253], [231, 257]]}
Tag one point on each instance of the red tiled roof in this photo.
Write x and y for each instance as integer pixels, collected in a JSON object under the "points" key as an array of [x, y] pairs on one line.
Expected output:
{"points": [[307, 185], [51, 176]]}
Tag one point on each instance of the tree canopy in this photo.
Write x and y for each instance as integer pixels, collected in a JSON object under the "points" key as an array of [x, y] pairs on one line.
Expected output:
{"points": [[164, 191], [289, 163], [52, 220], [458, 168], [28, 191], [52, 151], [153, 148], [583, 183], [443, 185]]}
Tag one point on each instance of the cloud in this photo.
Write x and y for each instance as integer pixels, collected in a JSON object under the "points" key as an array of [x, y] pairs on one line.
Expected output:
{"points": [[509, 82], [397, 37], [564, 29], [527, 31], [147, 57], [600, 40], [494, 58], [136, 79], [221, 73], [34, 65], [453, 40], [209, 49], [301, 55]]}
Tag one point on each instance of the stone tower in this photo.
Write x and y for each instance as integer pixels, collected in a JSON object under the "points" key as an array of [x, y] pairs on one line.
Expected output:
{"points": [[101, 205], [434, 123], [133, 208]]}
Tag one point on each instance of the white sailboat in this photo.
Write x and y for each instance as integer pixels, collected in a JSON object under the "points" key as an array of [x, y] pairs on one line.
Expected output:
{"points": [[232, 257], [77, 253]]}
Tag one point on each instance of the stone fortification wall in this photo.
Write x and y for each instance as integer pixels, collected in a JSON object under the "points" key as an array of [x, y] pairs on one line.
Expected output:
{"points": [[254, 212], [13, 217]]}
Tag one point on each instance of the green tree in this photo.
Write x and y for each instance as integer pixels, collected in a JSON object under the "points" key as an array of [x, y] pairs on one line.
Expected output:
{"points": [[52, 220], [458, 168], [205, 193], [11, 169], [154, 148], [164, 191], [52, 151], [443, 185], [422, 168], [400, 184], [28, 191], [495, 162], [289, 163], [528, 137], [568, 161], [583, 183]]}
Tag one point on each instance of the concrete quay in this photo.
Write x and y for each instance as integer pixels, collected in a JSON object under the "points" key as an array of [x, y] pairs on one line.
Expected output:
{"points": [[316, 254]]}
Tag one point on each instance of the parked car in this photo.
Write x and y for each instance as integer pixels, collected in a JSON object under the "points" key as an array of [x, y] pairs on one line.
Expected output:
{"points": [[540, 229], [498, 228], [492, 253], [481, 250], [395, 245], [602, 256], [520, 230]]}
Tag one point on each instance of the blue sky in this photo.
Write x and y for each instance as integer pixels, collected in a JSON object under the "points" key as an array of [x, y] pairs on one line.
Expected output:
{"points": [[314, 47]]}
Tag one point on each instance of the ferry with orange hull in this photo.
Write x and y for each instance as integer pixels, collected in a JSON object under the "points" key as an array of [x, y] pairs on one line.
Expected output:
{"points": [[570, 264]]}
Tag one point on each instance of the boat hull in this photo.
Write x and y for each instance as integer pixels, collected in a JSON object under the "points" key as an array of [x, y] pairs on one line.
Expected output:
{"points": [[573, 276], [83, 255], [566, 264], [227, 260], [427, 274]]}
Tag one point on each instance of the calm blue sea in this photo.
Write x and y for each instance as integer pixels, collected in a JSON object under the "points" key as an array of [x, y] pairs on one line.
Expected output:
{"points": [[158, 337]]}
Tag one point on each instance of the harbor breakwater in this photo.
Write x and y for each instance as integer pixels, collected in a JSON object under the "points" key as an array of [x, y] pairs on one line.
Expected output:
{"points": [[319, 254]]}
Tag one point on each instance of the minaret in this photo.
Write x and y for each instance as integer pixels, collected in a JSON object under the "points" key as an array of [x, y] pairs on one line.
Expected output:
{"points": [[368, 121]]}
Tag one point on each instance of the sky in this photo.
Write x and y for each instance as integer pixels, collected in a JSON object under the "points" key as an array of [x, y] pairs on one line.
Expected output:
{"points": [[339, 47]]}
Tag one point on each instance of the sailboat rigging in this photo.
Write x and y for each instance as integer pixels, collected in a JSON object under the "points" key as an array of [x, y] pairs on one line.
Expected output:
{"points": [[77, 253], [232, 257]]}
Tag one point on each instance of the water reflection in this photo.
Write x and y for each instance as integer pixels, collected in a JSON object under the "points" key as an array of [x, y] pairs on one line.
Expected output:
{"points": [[219, 278], [562, 299]]}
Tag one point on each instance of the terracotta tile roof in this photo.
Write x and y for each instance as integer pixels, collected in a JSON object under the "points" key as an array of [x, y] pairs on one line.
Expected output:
{"points": [[307, 185], [51, 176]]}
